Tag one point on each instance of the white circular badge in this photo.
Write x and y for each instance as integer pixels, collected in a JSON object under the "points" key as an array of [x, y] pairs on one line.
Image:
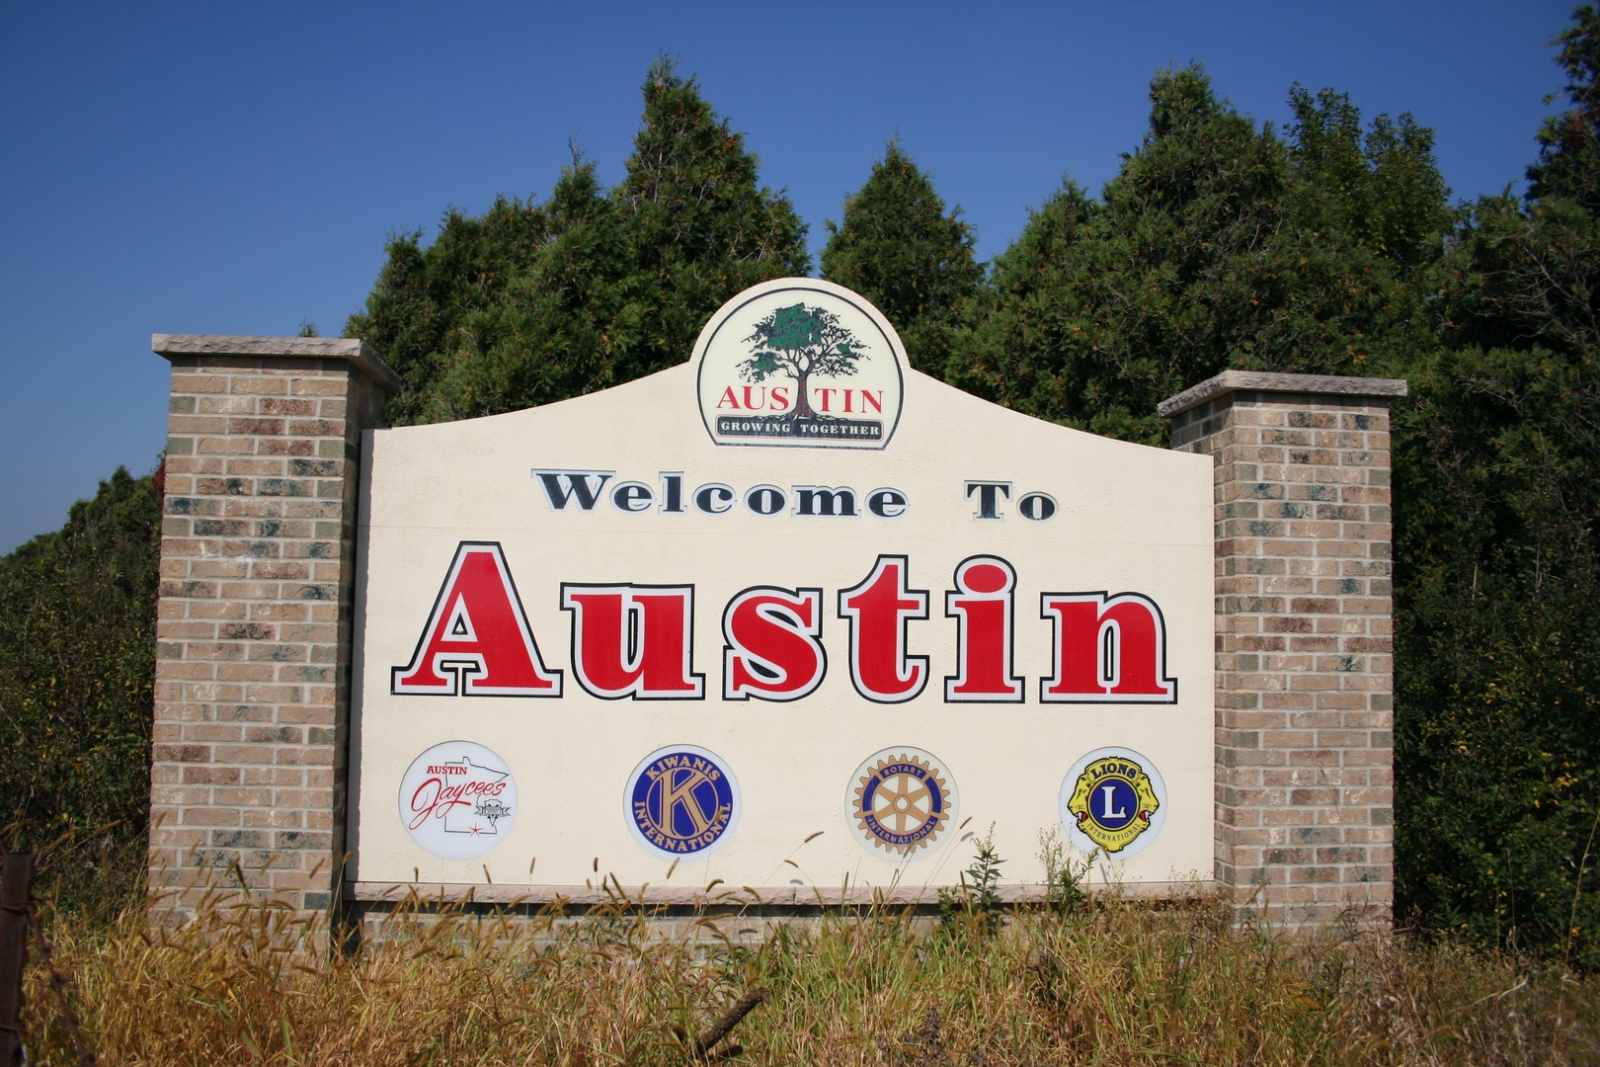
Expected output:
{"points": [[682, 802], [458, 800], [901, 802], [800, 363], [1113, 801]]}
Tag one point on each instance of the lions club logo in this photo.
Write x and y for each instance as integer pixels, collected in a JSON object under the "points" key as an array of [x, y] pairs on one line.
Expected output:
{"points": [[682, 801], [458, 800], [802, 363], [900, 800], [1111, 800]]}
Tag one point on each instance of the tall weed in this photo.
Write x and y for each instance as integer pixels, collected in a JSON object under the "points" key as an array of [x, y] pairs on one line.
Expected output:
{"points": [[1114, 981]]}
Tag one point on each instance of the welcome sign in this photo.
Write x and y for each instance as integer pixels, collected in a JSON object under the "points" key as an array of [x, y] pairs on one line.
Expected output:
{"points": [[786, 617]]}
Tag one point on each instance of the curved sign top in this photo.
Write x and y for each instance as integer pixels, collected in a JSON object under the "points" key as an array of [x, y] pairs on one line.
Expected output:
{"points": [[800, 363], [686, 653]]}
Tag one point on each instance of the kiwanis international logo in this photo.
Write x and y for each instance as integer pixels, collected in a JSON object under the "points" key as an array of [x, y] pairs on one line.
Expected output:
{"points": [[1116, 797], [800, 363], [682, 801], [458, 800], [902, 800]]}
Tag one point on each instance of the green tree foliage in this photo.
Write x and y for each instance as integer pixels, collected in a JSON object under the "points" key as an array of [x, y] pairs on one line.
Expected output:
{"points": [[536, 302], [898, 248], [1569, 143], [700, 228], [1498, 544], [1219, 244], [443, 317], [1498, 663], [1331, 248], [77, 663]]}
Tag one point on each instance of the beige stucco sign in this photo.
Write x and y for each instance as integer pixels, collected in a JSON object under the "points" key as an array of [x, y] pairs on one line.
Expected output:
{"points": [[787, 616]]}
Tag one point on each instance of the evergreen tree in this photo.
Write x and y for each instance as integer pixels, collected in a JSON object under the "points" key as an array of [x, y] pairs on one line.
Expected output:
{"points": [[1218, 244], [427, 314], [1528, 272], [1028, 347], [1569, 143], [899, 249], [77, 670], [560, 324], [532, 303], [1382, 189], [699, 227], [1498, 549]]}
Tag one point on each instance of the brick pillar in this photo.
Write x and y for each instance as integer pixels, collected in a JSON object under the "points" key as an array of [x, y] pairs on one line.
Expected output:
{"points": [[254, 618], [1304, 689]]}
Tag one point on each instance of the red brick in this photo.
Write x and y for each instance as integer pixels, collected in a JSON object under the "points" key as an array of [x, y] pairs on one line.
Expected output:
{"points": [[1330, 644]]}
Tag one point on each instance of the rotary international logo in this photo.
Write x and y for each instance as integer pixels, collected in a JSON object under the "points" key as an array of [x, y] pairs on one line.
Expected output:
{"points": [[900, 801], [682, 801], [1111, 799], [800, 362]]}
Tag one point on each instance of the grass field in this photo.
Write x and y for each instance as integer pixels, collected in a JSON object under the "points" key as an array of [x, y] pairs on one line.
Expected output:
{"points": [[1111, 982]]}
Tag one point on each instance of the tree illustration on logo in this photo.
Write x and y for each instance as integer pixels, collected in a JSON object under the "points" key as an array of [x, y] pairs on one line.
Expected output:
{"points": [[798, 342]]}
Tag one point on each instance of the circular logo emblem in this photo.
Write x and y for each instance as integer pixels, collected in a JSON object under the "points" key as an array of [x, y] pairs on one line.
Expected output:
{"points": [[458, 800], [681, 801], [800, 362], [900, 800], [1113, 800]]}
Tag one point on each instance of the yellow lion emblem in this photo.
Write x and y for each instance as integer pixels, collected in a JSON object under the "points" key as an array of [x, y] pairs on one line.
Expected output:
{"points": [[1112, 801]]}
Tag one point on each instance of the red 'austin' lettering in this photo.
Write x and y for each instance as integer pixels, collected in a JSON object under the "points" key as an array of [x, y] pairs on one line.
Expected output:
{"points": [[634, 640], [879, 610], [982, 602], [477, 641], [1107, 650], [772, 651]]}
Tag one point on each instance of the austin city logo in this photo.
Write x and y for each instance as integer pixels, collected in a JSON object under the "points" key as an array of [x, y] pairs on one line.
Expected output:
{"points": [[801, 363]]}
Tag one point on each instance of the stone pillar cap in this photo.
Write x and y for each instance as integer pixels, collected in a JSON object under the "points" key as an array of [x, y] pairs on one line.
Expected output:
{"points": [[1231, 381], [363, 355]]}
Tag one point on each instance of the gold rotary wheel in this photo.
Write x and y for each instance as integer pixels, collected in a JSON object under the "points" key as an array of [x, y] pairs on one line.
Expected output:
{"points": [[902, 804]]}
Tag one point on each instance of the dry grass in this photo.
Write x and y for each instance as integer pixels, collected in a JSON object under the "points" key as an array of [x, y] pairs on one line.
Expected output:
{"points": [[1118, 983]]}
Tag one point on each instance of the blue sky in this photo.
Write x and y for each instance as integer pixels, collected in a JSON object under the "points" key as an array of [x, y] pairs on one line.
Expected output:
{"points": [[230, 168]]}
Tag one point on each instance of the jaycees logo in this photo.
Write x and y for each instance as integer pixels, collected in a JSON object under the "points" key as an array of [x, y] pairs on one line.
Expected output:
{"points": [[800, 363], [681, 802], [1113, 800], [458, 800], [902, 799]]}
